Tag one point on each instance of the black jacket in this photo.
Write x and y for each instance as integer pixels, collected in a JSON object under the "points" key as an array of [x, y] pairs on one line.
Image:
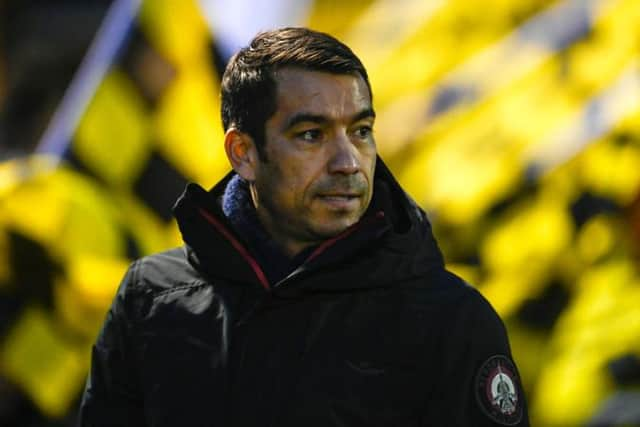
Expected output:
{"points": [[370, 330]]}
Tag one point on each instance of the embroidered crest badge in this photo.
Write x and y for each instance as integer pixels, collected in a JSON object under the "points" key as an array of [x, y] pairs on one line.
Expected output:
{"points": [[498, 391]]}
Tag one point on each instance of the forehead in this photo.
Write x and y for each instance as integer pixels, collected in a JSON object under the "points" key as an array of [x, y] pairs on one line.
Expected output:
{"points": [[322, 93]]}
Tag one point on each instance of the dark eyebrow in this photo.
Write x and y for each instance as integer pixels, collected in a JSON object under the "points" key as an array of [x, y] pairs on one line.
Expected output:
{"points": [[364, 114], [304, 117], [319, 119]]}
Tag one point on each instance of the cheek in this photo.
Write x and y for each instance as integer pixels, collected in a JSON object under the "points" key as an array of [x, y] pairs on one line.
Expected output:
{"points": [[285, 184], [298, 183], [372, 161], [295, 175], [370, 165]]}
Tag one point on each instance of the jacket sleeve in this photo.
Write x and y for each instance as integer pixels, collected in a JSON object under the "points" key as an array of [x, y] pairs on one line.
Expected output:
{"points": [[111, 396], [475, 381]]}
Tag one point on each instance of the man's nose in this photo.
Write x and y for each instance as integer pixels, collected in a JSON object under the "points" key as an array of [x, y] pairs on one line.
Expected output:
{"points": [[344, 157]]}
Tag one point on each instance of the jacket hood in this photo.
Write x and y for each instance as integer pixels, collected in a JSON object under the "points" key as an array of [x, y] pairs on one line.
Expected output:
{"points": [[392, 244]]}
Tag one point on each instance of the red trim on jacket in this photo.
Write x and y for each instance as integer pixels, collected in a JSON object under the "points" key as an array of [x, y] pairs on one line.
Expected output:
{"points": [[328, 243], [238, 246]]}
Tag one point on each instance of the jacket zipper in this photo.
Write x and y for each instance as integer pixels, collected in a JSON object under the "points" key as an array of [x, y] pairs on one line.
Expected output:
{"points": [[330, 242]]}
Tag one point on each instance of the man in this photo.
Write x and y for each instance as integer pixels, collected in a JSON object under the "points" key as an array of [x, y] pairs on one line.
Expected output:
{"points": [[310, 291]]}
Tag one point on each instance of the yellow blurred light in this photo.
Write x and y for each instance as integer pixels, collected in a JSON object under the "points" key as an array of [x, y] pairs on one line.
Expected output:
{"points": [[612, 170], [454, 32], [323, 15], [112, 137], [596, 60], [177, 29], [188, 126], [9, 176], [460, 178], [59, 208], [508, 67], [529, 348], [468, 273], [89, 212], [530, 240], [630, 124], [149, 231], [569, 390], [83, 299], [385, 25], [602, 323], [487, 145], [522, 250], [17, 191], [601, 288], [47, 367], [507, 291], [96, 279], [175, 236], [23, 211], [518, 112], [595, 239]]}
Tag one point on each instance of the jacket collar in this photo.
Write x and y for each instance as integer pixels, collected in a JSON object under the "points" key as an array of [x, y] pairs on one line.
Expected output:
{"points": [[392, 242]]}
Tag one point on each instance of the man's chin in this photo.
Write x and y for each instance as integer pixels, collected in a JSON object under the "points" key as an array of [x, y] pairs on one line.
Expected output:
{"points": [[334, 228]]}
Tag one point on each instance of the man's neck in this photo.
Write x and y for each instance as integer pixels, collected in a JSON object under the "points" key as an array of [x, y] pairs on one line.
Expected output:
{"points": [[277, 258], [291, 247]]}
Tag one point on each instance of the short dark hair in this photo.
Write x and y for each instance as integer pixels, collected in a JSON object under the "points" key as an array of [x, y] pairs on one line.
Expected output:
{"points": [[248, 83]]}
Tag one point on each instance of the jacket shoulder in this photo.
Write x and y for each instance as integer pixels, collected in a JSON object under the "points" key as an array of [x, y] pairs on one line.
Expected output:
{"points": [[446, 288], [449, 300], [472, 346], [161, 272], [466, 295]]}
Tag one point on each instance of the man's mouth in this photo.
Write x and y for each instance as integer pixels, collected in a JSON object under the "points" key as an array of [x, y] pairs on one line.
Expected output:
{"points": [[340, 200]]}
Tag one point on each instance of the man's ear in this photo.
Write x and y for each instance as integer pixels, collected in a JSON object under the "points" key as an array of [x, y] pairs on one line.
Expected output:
{"points": [[242, 153]]}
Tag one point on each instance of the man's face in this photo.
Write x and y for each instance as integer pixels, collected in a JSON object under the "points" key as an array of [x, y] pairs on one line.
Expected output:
{"points": [[317, 178]]}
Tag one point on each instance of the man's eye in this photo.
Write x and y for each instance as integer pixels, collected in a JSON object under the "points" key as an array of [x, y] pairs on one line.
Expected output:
{"points": [[364, 132], [310, 135]]}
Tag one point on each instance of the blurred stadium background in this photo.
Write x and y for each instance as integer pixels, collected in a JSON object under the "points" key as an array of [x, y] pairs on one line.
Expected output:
{"points": [[514, 123]]}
